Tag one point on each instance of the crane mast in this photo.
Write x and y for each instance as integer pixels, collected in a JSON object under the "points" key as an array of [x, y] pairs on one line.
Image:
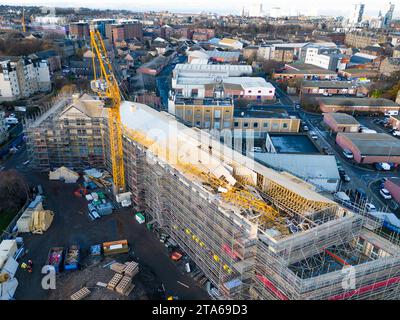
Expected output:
{"points": [[106, 86]]}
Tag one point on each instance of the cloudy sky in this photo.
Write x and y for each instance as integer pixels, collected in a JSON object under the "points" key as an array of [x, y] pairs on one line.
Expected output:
{"points": [[337, 7]]}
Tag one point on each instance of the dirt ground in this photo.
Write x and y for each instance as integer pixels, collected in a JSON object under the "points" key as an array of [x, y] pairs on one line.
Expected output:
{"points": [[72, 225]]}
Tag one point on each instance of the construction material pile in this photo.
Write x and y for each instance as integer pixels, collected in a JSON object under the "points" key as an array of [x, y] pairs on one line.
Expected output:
{"points": [[121, 282], [64, 174], [100, 179], [115, 247], [35, 219]]}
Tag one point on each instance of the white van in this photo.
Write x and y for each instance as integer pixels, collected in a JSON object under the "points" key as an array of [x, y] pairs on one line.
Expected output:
{"points": [[11, 120], [392, 113]]}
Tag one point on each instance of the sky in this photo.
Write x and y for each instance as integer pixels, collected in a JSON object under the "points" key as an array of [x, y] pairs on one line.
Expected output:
{"points": [[325, 7]]}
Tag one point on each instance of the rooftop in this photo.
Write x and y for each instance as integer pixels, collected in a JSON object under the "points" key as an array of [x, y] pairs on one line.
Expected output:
{"points": [[304, 68], [343, 118], [350, 101], [293, 143], [331, 84], [374, 144], [260, 112]]}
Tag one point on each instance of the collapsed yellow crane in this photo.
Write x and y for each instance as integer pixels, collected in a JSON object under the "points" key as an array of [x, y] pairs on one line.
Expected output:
{"points": [[106, 86]]}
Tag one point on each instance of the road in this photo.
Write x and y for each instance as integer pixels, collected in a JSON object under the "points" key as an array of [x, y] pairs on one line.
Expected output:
{"points": [[362, 177]]}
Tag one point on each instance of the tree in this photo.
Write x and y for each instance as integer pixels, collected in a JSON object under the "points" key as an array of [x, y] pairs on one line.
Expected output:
{"points": [[13, 190]]}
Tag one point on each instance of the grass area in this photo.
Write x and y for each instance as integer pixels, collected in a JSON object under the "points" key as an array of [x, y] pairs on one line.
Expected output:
{"points": [[5, 218]]}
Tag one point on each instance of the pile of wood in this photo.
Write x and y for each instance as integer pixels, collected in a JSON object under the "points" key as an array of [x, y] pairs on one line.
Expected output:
{"points": [[81, 294], [121, 282]]}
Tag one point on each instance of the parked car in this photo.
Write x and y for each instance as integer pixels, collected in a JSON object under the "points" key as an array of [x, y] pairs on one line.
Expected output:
{"points": [[396, 133], [382, 166], [385, 194], [345, 178], [256, 149], [305, 128], [314, 136], [370, 207], [348, 154]]}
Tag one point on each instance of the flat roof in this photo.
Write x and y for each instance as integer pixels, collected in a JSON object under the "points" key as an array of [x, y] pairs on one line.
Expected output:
{"points": [[374, 144], [330, 84], [293, 143], [342, 118], [350, 101], [260, 112], [300, 68], [213, 67]]}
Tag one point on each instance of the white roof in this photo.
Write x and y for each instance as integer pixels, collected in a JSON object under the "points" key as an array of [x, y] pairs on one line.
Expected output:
{"points": [[232, 69], [290, 45], [249, 82], [366, 56], [182, 142]]}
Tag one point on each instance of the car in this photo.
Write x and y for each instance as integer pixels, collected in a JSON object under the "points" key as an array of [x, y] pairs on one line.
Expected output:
{"points": [[314, 136], [345, 178], [348, 154], [26, 162], [256, 149], [382, 166], [385, 194], [396, 133], [305, 128], [370, 207]]}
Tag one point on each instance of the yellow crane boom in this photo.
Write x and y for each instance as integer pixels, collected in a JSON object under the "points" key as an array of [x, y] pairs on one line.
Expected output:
{"points": [[106, 86]]}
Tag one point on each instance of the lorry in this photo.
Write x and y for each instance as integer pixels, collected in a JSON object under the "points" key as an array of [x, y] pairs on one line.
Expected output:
{"points": [[72, 258], [56, 258]]}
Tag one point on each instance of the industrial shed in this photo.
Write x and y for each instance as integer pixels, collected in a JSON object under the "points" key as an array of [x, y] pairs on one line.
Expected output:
{"points": [[334, 104], [341, 122], [371, 148]]}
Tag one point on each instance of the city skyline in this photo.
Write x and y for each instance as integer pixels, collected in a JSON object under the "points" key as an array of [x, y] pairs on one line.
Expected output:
{"points": [[338, 8]]}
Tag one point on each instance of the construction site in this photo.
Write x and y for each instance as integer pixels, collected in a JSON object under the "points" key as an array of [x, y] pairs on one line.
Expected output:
{"points": [[254, 232]]}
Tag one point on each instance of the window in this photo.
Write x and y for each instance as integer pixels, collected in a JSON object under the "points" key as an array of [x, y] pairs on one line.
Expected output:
{"points": [[227, 124], [255, 125], [245, 125], [236, 124], [275, 126], [284, 125], [265, 125]]}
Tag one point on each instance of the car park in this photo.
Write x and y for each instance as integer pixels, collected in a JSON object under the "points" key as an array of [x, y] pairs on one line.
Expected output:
{"points": [[385, 194]]}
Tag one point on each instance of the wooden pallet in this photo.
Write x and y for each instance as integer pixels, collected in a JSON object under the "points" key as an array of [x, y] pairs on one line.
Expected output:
{"points": [[131, 269], [81, 294], [114, 281], [118, 267], [124, 285], [130, 288]]}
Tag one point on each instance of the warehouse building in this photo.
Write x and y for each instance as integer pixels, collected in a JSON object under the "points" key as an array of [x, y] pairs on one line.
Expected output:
{"points": [[341, 122], [333, 88], [349, 104], [369, 148]]}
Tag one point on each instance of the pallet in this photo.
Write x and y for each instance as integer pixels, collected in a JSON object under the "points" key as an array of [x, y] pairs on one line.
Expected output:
{"points": [[131, 269], [118, 267], [130, 288], [81, 294], [124, 285], [114, 281]]}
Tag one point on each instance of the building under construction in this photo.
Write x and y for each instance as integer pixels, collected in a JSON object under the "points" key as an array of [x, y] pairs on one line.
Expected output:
{"points": [[254, 232]]}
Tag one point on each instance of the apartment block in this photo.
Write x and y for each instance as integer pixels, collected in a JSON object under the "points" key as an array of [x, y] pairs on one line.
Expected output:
{"points": [[69, 134], [79, 30], [22, 77]]}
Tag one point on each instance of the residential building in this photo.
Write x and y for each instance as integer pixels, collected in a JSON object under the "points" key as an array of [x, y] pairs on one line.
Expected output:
{"points": [[389, 66], [69, 134], [370, 148], [361, 40], [79, 30], [22, 77], [341, 122]]}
